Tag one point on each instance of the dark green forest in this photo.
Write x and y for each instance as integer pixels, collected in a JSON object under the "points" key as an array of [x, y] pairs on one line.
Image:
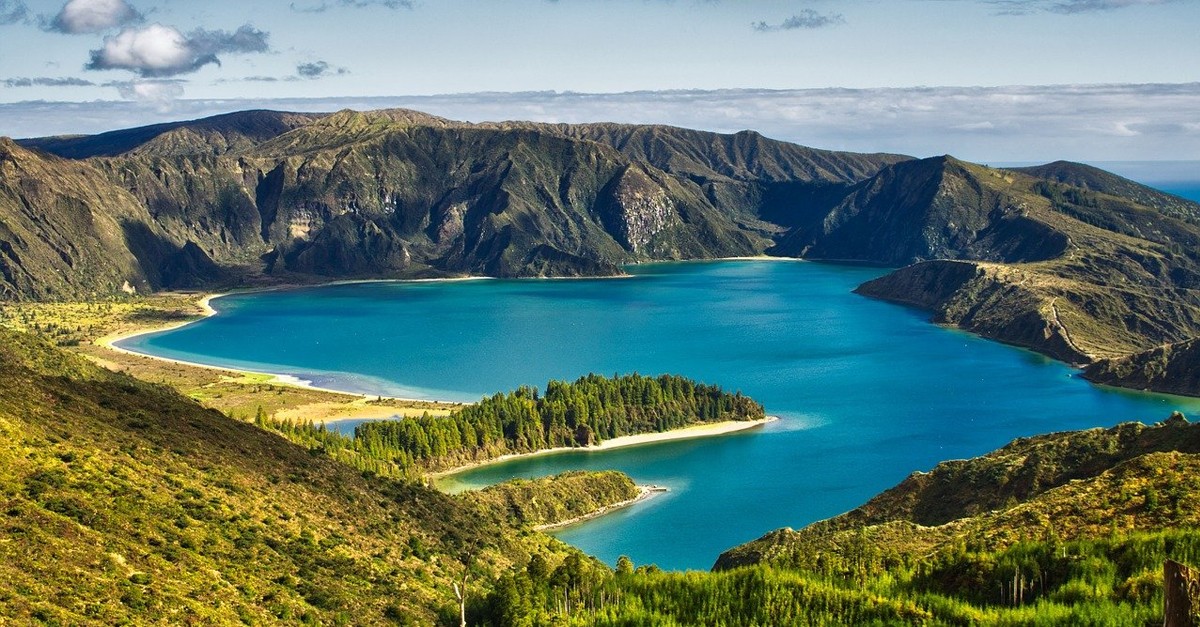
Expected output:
{"points": [[583, 413]]}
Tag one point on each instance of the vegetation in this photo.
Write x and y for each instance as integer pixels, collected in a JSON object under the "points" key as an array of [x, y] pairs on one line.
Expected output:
{"points": [[122, 501], [583, 413], [1061, 486], [1069, 528], [555, 500], [1114, 580]]}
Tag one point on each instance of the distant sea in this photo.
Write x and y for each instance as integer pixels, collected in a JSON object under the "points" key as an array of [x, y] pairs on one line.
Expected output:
{"points": [[868, 392], [1189, 190]]}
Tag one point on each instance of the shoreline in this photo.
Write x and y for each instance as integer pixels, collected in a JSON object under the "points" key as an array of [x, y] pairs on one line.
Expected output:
{"points": [[645, 493], [700, 430], [110, 340]]}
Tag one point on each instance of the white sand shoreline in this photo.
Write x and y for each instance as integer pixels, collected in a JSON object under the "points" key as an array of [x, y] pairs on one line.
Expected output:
{"points": [[274, 378], [701, 430], [645, 492]]}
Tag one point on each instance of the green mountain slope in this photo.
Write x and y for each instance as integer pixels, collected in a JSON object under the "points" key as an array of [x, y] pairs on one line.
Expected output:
{"points": [[126, 501], [218, 134], [401, 193], [1075, 274], [1094, 179], [1072, 485]]}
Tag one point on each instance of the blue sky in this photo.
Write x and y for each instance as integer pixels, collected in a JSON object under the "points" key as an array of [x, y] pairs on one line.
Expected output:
{"points": [[159, 59]]}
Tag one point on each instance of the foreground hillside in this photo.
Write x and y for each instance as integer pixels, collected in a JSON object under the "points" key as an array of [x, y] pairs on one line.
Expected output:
{"points": [[125, 501], [1056, 487]]}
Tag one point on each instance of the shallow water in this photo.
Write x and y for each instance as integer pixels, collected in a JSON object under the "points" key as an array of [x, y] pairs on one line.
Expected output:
{"points": [[868, 391]]}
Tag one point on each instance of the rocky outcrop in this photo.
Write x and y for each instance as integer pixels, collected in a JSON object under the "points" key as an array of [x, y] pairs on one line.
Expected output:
{"points": [[1171, 368], [993, 301]]}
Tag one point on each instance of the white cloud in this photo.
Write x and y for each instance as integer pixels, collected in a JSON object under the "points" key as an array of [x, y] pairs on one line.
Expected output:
{"points": [[158, 50], [94, 16]]}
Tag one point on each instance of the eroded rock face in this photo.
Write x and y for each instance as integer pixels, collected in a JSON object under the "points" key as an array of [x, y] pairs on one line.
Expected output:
{"points": [[638, 209]]}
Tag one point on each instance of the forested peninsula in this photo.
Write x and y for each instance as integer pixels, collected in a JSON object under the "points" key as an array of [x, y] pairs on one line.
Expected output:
{"points": [[578, 414]]}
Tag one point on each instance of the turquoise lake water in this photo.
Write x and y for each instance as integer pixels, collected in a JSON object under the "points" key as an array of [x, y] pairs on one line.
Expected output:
{"points": [[867, 391]]}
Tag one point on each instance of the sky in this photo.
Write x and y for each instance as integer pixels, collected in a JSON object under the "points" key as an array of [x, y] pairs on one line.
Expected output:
{"points": [[1001, 80]]}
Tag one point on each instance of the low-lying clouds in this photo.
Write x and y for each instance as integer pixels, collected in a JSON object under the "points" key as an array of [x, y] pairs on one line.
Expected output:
{"points": [[317, 69], [157, 50], [1068, 7], [47, 81], [93, 16], [807, 19], [989, 124], [159, 94], [354, 4]]}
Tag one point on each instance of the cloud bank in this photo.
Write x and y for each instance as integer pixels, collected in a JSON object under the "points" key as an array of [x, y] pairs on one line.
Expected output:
{"points": [[992, 124], [1068, 7]]}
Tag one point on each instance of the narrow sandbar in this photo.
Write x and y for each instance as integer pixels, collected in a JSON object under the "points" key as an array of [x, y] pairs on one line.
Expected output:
{"points": [[644, 492]]}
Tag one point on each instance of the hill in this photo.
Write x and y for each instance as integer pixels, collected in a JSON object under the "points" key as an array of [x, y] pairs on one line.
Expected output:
{"points": [[1076, 274], [125, 501], [400, 193], [1062, 486]]}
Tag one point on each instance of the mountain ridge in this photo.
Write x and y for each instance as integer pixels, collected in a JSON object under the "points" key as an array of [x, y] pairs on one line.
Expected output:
{"points": [[1086, 265]]}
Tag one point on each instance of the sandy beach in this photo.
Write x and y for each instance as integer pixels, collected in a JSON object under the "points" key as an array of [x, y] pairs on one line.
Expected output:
{"points": [[694, 431], [269, 378]]}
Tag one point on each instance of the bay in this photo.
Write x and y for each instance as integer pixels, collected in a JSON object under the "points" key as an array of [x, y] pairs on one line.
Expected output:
{"points": [[867, 391]]}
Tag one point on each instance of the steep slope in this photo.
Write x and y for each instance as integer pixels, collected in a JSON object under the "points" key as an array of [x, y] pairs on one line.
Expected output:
{"points": [[1074, 274], [66, 232], [400, 193], [1094, 179], [1082, 484], [929, 209], [125, 501], [1171, 368]]}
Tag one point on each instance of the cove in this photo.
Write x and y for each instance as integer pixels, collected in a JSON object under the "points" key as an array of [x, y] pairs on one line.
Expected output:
{"points": [[867, 391]]}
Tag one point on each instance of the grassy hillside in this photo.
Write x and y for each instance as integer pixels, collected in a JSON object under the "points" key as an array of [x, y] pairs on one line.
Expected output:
{"points": [[125, 501], [551, 501], [1078, 274], [1062, 486]]}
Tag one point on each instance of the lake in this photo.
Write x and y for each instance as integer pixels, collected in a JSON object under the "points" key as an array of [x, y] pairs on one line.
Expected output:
{"points": [[867, 391]]}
